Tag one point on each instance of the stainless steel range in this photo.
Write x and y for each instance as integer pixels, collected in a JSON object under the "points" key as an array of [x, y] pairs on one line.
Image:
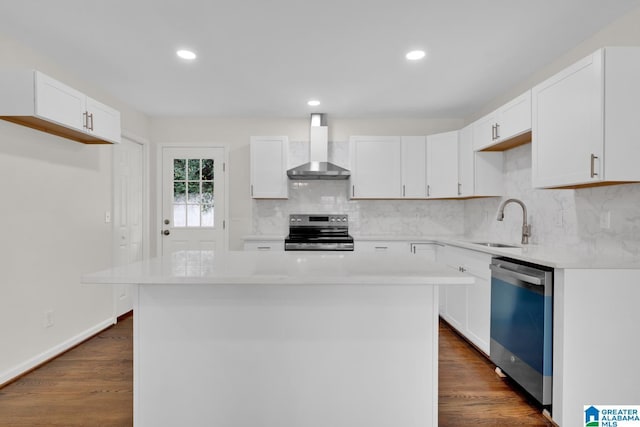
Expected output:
{"points": [[318, 233]]}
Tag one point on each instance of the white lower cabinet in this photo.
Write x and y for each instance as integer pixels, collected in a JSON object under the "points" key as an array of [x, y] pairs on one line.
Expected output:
{"points": [[428, 250], [388, 246], [468, 308]]}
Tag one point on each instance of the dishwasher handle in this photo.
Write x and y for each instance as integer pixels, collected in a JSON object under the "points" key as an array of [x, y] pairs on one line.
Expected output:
{"points": [[534, 280]]}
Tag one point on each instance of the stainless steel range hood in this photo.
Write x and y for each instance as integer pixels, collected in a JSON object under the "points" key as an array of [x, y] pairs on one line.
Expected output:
{"points": [[318, 167]]}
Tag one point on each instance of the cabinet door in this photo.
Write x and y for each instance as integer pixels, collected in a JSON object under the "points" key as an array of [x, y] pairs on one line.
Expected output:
{"points": [[268, 167], [442, 165], [414, 167], [58, 102], [514, 118], [103, 121], [466, 169], [484, 132], [479, 313], [428, 251], [568, 126], [376, 171]]}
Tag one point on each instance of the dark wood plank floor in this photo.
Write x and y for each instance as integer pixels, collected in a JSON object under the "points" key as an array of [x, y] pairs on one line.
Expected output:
{"points": [[92, 385], [471, 393]]}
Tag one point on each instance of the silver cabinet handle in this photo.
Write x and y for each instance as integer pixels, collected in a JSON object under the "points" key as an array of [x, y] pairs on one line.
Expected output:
{"points": [[403, 190], [497, 130], [381, 248], [593, 165], [493, 132], [264, 248], [459, 189], [251, 190], [353, 191], [428, 190]]}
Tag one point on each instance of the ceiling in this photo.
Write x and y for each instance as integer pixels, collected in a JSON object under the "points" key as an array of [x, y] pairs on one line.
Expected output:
{"points": [[267, 58]]}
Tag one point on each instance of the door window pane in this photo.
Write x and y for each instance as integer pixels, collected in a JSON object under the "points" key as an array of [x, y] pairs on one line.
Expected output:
{"points": [[207, 216], [194, 169], [179, 194], [179, 215], [179, 171], [194, 192], [207, 192], [207, 169], [193, 198]]}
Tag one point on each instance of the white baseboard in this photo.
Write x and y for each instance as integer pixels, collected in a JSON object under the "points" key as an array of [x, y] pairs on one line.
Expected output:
{"points": [[28, 365]]}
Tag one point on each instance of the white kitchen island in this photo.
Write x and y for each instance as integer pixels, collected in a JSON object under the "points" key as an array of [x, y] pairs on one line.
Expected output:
{"points": [[288, 339]]}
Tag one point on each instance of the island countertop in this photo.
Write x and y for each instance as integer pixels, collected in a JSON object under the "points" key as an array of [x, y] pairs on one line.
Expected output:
{"points": [[282, 268]]}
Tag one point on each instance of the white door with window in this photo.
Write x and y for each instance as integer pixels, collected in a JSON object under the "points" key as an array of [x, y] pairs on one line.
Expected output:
{"points": [[193, 199], [127, 213]]}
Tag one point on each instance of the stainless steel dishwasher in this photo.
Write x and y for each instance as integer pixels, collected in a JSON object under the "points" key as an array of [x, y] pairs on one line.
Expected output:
{"points": [[522, 324]]}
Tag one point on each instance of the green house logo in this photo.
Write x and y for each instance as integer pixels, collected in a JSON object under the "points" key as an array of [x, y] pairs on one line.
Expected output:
{"points": [[591, 417]]}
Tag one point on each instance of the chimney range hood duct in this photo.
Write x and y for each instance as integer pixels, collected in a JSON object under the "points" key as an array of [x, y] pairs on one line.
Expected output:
{"points": [[318, 167]]}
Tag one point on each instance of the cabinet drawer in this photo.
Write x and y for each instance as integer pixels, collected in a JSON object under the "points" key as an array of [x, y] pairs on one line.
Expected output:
{"points": [[381, 246], [473, 262], [265, 245]]}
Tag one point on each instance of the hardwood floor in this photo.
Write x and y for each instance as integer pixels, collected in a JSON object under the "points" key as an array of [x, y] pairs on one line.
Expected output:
{"points": [[92, 385], [471, 393]]}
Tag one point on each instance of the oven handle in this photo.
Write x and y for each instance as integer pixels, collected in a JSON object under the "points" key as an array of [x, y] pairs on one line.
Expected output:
{"points": [[499, 268]]}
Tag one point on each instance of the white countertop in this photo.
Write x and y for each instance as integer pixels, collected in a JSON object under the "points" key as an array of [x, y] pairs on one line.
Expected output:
{"points": [[567, 257], [282, 268]]}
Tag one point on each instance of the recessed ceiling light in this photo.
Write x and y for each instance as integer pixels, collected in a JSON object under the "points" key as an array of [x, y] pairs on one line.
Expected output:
{"points": [[313, 103], [415, 55], [186, 54]]}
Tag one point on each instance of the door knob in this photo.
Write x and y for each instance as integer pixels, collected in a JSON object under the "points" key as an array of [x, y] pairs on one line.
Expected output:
{"points": [[166, 221], [166, 232]]}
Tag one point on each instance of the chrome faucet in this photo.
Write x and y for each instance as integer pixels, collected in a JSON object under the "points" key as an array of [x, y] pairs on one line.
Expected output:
{"points": [[526, 228]]}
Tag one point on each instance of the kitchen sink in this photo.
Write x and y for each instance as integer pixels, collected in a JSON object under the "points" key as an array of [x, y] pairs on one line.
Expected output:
{"points": [[496, 245]]}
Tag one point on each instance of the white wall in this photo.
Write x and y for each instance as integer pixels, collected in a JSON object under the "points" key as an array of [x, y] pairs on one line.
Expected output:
{"points": [[55, 193], [263, 217]]}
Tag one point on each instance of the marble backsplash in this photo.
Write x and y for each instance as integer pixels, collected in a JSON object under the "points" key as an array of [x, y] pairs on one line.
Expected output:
{"points": [[366, 217], [559, 218]]}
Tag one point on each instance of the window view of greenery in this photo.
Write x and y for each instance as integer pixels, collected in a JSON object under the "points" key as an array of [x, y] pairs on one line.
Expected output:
{"points": [[193, 200]]}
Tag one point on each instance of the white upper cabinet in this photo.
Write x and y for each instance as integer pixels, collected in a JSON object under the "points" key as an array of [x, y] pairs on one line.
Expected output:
{"points": [[102, 120], [442, 165], [376, 167], [59, 103], [479, 173], [268, 159], [414, 167], [33, 99], [585, 122], [507, 127], [466, 184]]}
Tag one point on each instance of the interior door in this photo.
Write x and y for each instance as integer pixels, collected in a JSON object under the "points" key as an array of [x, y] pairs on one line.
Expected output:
{"points": [[127, 214], [193, 199]]}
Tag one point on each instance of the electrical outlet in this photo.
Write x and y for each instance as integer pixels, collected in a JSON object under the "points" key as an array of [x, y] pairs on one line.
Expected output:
{"points": [[605, 220], [48, 319]]}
